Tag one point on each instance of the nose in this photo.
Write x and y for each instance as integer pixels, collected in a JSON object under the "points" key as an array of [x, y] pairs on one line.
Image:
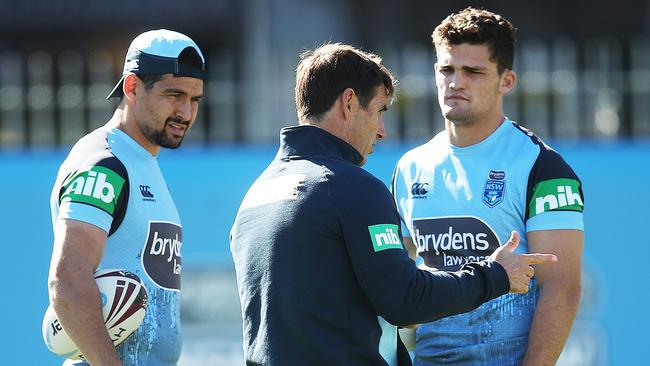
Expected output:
{"points": [[455, 81], [381, 131], [184, 110]]}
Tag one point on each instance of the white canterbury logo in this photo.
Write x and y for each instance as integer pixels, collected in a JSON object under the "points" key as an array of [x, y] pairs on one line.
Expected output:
{"points": [[564, 197]]}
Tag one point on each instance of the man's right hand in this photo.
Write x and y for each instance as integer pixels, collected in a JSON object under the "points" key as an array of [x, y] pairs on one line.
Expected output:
{"points": [[78, 249], [519, 266]]}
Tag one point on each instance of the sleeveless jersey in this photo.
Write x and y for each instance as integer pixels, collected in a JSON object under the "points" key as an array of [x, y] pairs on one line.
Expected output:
{"points": [[459, 204], [110, 181]]}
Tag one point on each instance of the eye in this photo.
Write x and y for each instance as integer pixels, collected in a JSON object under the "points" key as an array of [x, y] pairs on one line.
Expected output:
{"points": [[446, 70]]}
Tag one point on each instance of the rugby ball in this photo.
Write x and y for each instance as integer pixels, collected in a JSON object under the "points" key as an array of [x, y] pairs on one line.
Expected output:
{"points": [[124, 303]]}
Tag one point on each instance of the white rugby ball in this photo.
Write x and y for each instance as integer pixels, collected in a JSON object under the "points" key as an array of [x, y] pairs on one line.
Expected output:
{"points": [[124, 303]]}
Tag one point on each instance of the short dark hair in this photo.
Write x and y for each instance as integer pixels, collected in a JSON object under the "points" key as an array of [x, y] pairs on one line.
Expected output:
{"points": [[478, 26], [150, 79], [323, 74]]}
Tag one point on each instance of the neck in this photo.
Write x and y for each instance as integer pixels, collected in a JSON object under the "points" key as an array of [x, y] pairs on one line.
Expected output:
{"points": [[331, 125], [473, 132], [124, 120]]}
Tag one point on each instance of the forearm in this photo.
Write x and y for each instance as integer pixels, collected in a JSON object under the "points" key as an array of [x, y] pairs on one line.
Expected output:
{"points": [[551, 325], [77, 303], [559, 294], [415, 296]]}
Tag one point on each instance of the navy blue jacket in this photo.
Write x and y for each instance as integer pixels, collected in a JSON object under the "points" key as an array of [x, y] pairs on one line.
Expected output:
{"points": [[313, 271]]}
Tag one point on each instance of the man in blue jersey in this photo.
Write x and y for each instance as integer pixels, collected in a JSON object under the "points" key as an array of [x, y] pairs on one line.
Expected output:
{"points": [[111, 207], [322, 274], [462, 193]]}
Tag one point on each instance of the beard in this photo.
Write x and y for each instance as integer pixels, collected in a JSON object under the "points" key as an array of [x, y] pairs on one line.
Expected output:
{"points": [[163, 138], [459, 117]]}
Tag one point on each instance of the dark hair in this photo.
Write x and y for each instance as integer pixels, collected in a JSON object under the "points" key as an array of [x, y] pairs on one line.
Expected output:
{"points": [[149, 79], [478, 26], [323, 74]]}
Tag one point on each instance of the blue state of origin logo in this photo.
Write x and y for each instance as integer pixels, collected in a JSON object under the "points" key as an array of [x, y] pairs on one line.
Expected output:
{"points": [[494, 188]]}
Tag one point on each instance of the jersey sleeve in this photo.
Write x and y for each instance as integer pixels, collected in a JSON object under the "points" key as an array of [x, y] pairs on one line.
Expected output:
{"points": [[400, 292], [554, 194], [399, 193], [96, 193]]}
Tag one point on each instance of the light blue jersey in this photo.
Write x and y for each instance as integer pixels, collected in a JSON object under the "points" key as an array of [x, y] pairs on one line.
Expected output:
{"points": [[459, 204], [112, 182]]}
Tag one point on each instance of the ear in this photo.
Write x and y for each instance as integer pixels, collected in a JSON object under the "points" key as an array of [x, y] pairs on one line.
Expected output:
{"points": [[349, 103], [130, 85], [508, 80]]}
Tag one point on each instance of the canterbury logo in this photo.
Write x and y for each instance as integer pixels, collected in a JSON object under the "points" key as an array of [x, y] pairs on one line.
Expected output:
{"points": [[419, 189], [144, 190]]}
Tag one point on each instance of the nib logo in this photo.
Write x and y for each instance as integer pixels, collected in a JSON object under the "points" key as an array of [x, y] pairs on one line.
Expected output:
{"points": [[385, 236], [98, 186], [556, 194]]}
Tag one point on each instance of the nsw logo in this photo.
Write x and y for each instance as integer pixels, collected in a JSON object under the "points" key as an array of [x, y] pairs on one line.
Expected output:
{"points": [[494, 188], [146, 193], [419, 190], [385, 236], [161, 256]]}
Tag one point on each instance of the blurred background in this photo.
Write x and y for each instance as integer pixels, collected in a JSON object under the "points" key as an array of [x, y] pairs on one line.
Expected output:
{"points": [[584, 86]]}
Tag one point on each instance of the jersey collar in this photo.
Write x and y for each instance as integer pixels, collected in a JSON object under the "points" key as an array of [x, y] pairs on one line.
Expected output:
{"points": [[305, 140]]}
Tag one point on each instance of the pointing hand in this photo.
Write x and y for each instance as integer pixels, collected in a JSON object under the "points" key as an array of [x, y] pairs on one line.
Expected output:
{"points": [[518, 266]]}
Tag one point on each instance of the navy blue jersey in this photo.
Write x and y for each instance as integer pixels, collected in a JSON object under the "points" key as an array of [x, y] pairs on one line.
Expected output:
{"points": [[459, 204], [322, 274], [110, 181]]}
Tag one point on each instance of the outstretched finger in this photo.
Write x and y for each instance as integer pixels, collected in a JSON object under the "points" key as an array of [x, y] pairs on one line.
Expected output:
{"points": [[540, 258], [513, 241]]}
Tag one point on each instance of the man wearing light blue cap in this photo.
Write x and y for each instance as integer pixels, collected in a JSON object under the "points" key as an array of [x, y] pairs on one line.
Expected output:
{"points": [[121, 224]]}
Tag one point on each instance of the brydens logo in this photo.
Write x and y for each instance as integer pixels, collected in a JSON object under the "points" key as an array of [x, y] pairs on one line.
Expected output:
{"points": [[450, 242], [556, 194], [98, 186], [385, 236], [161, 256]]}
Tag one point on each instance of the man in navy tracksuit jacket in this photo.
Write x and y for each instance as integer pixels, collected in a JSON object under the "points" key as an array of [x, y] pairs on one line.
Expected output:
{"points": [[322, 274]]}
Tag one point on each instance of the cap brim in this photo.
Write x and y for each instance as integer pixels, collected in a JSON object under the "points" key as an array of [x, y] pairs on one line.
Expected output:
{"points": [[117, 90]]}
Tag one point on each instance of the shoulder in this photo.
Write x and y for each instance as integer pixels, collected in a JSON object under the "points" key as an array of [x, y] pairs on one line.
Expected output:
{"points": [[92, 172], [438, 144], [355, 183], [549, 163], [360, 198], [422, 158], [340, 173], [93, 150], [553, 189]]}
